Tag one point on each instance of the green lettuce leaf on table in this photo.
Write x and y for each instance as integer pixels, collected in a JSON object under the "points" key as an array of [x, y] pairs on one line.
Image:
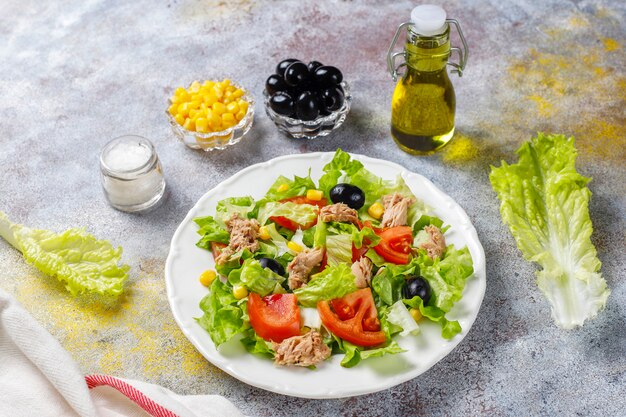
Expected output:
{"points": [[78, 259], [544, 201]]}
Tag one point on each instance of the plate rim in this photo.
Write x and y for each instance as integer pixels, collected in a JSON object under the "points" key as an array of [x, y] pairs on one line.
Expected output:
{"points": [[268, 385]]}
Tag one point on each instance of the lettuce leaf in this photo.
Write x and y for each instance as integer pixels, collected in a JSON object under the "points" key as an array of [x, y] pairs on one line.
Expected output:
{"points": [[211, 231], [299, 213], [544, 201], [224, 316], [341, 162], [355, 354], [255, 278], [296, 187], [332, 282], [255, 344], [338, 249], [229, 206], [82, 262]]}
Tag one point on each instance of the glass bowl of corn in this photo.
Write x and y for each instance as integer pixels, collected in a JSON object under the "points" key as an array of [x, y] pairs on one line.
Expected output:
{"points": [[210, 115]]}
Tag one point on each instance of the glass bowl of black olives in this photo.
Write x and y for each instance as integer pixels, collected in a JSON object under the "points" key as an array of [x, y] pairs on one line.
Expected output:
{"points": [[307, 101]]}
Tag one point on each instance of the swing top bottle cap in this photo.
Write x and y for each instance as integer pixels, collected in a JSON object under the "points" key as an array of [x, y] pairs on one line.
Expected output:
{"points": [[428, 20]]}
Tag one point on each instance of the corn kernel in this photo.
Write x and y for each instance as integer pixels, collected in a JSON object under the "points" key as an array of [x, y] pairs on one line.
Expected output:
{"points": [[218, 108], [207, 277], [240, 292], [173, 108], [238, 93], [315, 195], [282, 188], [225, 83], [376, 210], [194, 113], [226, 100], [181, 93], [415, 313], [195, 104], [180, 119], [194, 87], [197, 97], [210, 99], [208, 84], [183, 109], [215, 122], [217, 90], [202, 125], [264, 234], [228, 117], [232, 108], [294, 246], [243, 105], [239, 116], [230, 89], [189, 125]]}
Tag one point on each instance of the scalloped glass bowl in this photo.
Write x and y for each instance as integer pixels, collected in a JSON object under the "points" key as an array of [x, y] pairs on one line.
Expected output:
{"points": [[310, 129], [215, 140]]}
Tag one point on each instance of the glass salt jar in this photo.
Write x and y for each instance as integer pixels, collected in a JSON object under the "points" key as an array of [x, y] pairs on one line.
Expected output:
{"points": [[131, 173]]}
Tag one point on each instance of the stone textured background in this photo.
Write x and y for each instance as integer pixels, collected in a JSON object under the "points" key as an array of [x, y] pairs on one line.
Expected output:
{"points": [[73, 75]]}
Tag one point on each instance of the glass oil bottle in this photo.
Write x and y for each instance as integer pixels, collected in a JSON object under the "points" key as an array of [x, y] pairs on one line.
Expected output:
{"points": [[423, 103]]}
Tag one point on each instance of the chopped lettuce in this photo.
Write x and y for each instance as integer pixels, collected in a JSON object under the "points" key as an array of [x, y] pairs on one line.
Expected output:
{"points": [[299, 213], [278, 240], [296, 187], [229, 206], [399, 315], [544, 201], [341, 162], [255, 344], [224, 315], [332, 282], [211, 231], [82, 262], [448, 328], [338, 249], [255, 278], [355, 354]]}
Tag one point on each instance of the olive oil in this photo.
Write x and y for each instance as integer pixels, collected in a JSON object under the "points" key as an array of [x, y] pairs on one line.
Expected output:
{"points": [[423, 103]]}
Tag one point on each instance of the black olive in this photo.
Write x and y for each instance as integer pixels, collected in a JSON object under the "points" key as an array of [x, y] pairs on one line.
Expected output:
{"points": [[282, 103], [328, 76], [313, 65], [307, 106], [272, 265], [332, 98], [417, 286], [297, 75], [348, 194], [282, 65], [275, 83]]}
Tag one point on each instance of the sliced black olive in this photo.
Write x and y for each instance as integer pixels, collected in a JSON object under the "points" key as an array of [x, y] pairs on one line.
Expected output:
{"points": [[275, 83], [328, 76], [307, 106], [417, 286], [332, 98], [348, 194], [297, 75], [282, 65], [282, 103], [272, 265], [313, 65]]}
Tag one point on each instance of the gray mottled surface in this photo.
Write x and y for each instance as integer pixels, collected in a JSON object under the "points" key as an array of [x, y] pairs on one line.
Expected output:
{"points": [[75, 74]]}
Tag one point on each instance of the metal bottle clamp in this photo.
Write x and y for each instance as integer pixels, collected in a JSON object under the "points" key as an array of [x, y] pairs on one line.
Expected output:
{"points": [[458, 67]]}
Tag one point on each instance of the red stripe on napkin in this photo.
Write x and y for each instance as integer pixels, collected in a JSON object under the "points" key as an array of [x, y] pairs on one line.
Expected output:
{"points": [[131, 392]]}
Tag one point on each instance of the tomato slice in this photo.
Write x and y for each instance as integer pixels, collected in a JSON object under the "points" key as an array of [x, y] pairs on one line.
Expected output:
{"points": [[353, 318], [274, 317], [358, 253], [395, 244], [290, 224], [216, 249]]}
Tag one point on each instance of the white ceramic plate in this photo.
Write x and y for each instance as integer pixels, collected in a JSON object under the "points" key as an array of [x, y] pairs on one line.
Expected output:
{"points": [[186, 262]]}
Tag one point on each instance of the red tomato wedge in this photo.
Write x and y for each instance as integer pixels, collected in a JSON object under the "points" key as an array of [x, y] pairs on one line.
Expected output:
{"points": [[353, 318], [395, 244], [290, 224], [274, 317]]}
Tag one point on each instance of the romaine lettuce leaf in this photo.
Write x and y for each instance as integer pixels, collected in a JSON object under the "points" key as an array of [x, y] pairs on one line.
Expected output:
{"points": [[296, 187], [332, 282], [448, 328], [255, 278], [211, 231], [224, 316], [255, 344], [333, 170], [399, 315], [355, 354], [299, 213], [544, 201], [229, 206], [338, 249], [82, 262]]}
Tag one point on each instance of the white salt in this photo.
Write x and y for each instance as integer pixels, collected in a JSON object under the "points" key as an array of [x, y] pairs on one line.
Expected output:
{"points": [[126, 156]]}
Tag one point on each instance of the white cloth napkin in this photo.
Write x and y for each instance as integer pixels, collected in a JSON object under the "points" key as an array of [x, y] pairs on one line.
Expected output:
{"points": [[39, 378]]}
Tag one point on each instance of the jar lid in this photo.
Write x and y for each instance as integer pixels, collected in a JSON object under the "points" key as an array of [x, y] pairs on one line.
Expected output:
{"points": [[428, 20]]}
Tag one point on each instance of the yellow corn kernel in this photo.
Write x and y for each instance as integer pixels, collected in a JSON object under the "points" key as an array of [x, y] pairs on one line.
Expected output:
{"points": [[208, 84], [415, 313], [226, 100], [189, 125], [230, 89], [240, 292], [225, 83], [207, 277], [227, 93], [210, 99], [294, 246], [181, 93], [180, 119], [243, 105], [264, 234], [195, 113], [315, 195], [173, 108], [218, 108], [195, 104], [232, 108], [194, 87], [228, 117], [239, 116], [376, 210], [183, 109], [237, 93], [202, 125], [197, 97], [215, 122], [217, 90], [282, 188]]}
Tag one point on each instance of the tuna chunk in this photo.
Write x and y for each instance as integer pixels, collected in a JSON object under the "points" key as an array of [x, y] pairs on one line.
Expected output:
{"points": [[436, 245], [243, 235], [301, 266], [396, 209], [305, 350], [362, 270], [339, 213]]}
